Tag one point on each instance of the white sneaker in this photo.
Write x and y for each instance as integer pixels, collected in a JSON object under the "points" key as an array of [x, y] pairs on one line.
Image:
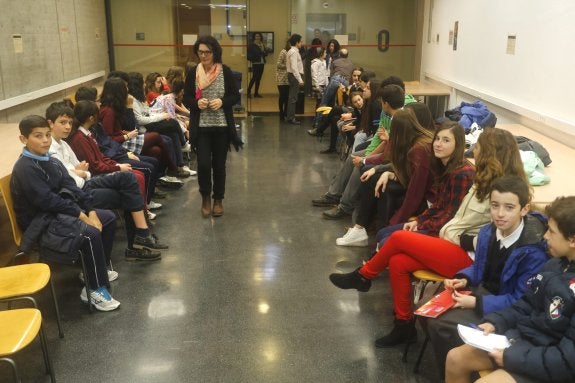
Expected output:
{"points": [[100, 299], [154, 205], [353, 237], [112, 276], [187, 169], [151, 215], [186, 148], [169, 179]]}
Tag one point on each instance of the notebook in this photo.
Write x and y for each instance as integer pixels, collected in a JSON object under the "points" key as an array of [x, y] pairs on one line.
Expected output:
{"points": [[438, 304], [478, 339]]}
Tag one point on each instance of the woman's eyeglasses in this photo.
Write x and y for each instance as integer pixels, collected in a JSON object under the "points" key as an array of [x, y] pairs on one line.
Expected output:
{"points": [[204, 53]]}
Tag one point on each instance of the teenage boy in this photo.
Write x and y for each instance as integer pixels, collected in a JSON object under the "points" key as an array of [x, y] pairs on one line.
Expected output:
{"points": [[509, 251], [60, 215], [118, 190], [541, 325]]}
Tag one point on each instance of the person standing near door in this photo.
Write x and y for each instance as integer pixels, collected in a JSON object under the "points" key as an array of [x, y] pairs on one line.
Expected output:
{"points": [[295, 72], [257, 57]]}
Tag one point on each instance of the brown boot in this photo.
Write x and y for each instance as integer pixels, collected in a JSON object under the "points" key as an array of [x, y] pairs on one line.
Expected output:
{"points": [[218, 209], [206, 206]]}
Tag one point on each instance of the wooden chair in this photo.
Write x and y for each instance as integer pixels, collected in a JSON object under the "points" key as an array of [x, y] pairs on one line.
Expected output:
{"points": [[422, 279], [18, 328]]}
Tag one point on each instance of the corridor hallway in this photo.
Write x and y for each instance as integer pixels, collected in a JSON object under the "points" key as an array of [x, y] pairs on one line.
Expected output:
{"points": [[241, 298]]}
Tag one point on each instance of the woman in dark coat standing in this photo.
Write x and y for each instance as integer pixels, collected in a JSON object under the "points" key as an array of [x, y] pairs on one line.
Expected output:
{"points": [[210, 94], [257, 57]]}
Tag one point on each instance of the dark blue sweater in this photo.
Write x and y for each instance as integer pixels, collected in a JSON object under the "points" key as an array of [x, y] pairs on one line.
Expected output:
{"points": [[45, 187]]}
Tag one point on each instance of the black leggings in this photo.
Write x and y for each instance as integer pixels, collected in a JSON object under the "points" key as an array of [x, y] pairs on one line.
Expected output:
{"points": [[257, 73], [212, 153], [283, 100]]}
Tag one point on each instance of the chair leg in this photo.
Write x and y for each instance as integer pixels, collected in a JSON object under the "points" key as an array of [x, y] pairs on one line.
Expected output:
{"points": [[420, 356], [44, 344], [407, 345], [14, 368], [56, 309]]}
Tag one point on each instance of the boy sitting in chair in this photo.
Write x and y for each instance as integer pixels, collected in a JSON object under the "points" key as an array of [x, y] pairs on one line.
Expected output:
{"points": [[52, 210]]}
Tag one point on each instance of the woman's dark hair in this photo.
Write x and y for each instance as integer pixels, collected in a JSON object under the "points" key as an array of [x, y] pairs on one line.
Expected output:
{"points": [[114, 95], [423, 115], [254, 36], [456, 159], [367, 76], [211, 43], [151, 83], [314, 50], [366, 120], [336, 46], [177, 86], [86, 93], [136, 86], [405, 133], [83, 111]]}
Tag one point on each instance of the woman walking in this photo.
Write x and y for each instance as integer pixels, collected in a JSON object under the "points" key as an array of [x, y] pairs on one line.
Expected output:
{"points": [[210, 94]]}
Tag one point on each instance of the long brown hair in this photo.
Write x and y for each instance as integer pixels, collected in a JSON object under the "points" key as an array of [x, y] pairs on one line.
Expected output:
{"points": [[456, 159], [405, 133], [498, 156]]}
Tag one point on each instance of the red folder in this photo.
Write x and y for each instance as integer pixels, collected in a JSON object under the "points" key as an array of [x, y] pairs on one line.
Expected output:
{"points": [[438, 304]]}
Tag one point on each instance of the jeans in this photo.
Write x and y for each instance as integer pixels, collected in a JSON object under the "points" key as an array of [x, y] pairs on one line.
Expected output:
{"points": [[331, 89]]}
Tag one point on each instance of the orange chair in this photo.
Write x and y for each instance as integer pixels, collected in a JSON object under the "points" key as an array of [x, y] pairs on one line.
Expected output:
{"points": [[18, 328]]}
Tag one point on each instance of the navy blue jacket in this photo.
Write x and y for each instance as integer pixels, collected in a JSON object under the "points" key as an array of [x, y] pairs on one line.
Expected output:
{"points": [[45, 187], [542, 325]]}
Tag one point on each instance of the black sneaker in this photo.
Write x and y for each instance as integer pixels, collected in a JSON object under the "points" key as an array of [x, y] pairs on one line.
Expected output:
{"points": [[353, 280], [149, 242], [325, 200], [335, 213], [142, 255]]}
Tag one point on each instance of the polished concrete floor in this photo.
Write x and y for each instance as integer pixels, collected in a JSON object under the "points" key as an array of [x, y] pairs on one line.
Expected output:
{"points": [[241, 298]]}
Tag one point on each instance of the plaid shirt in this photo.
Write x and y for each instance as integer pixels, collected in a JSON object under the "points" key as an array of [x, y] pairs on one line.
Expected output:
{"points": [[450, 193]]}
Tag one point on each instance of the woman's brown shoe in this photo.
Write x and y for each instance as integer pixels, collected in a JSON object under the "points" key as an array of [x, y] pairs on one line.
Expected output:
{"points": [[218, 209], [206, 206]]}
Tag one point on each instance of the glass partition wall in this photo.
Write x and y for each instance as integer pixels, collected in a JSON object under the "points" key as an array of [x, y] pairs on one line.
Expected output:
{"points": [[151, 35]]}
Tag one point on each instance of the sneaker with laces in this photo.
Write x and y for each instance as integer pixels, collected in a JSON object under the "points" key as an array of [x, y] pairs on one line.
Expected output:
{"points": [[149, 242], [142, 255], [112, 276], [186, 148], [170, 182], [187, 169], [354, 237], [154, 205], [100, 299], [151, 215]]}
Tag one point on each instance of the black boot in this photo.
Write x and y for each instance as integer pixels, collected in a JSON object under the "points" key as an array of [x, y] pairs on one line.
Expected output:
{"points": [[403, 331], [353, 280]]}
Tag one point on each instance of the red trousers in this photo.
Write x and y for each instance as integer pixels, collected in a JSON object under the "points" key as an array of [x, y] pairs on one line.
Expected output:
{"points": [[141, 184], [405, 252]]}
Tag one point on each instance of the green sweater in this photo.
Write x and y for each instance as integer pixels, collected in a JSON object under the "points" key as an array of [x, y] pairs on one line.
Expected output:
{"points": [[385, 122]]}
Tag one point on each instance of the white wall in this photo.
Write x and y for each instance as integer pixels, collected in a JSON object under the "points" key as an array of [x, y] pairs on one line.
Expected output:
{"points": [[535, 83], [62, 41]]}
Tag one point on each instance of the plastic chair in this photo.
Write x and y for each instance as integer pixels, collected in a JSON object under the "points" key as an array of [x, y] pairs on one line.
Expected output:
{"points": [[18, 328], [22, 281], [422, 279]]}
